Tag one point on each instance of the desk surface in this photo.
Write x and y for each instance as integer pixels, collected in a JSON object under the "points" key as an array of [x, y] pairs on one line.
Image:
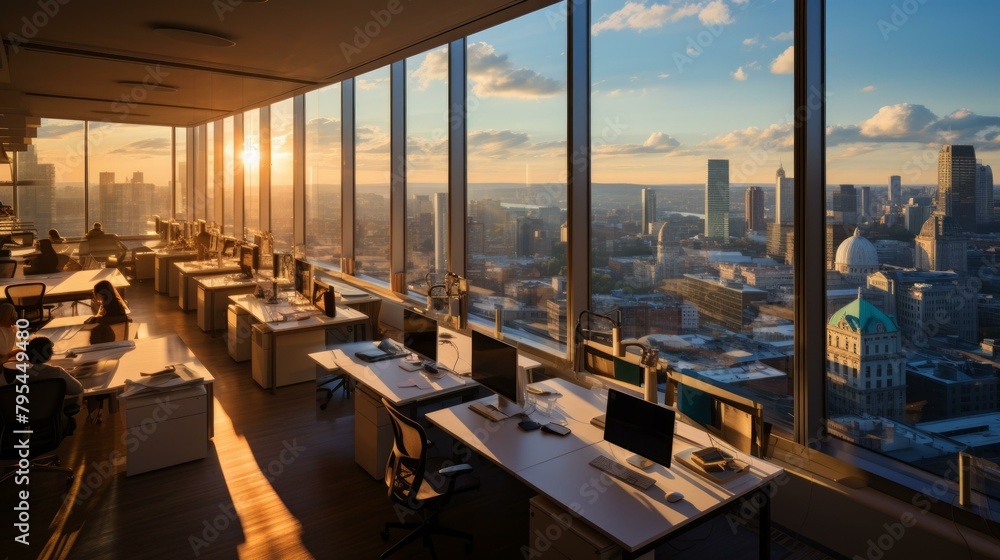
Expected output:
{"points": [[558, 468], [67, 283], [207, 267], [71, 332], [271, 315]]}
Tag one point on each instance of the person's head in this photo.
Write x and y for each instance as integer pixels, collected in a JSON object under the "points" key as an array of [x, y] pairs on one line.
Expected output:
{"points": [[45, 246], [8, 315], [54, 235], [98, 226], [104, 291], [39, 350]]}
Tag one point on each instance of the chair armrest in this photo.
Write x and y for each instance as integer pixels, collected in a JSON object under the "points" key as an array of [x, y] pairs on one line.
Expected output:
{"points": [[455, 470]]}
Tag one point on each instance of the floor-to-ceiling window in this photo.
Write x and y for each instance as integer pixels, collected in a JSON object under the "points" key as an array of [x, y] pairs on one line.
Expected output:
{"points": [[691, 224], [372, 170], [210, 174], [913, 304], [251, 169], [426, 168], [515, 256], [323, 175], [51, 178], [180, 174], [281, 209], [228, 178], [130, 174]]}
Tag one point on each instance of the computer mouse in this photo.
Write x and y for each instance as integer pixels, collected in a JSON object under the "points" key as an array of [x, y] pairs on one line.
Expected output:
{"points": [[674, 497]]}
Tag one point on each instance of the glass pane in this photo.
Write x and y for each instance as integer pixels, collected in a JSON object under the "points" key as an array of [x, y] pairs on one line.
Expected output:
{"points": [[228, 204], [282, 209], [912, 286], [515, 257], [251, 169], [51, 177], [323, 175], [130, 174], [180, 173], [211, 175], [371, 199], [426, 168], [685, 185]]}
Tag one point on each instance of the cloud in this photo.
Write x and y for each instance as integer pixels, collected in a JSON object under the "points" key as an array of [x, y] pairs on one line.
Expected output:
{"points": [[754, 65], [364, 84], [323, 130], [774, 137], [784, 36], [657, 143], [740, 75], [907, 122], [664, 75], [434, 67], [149, 147], [740, 2], [496, 142], [371, 139], [638, 16], [785, 62], [495, 75], [715, 13], [751, 41], [52, 130], [692, 52], [868, 89]]}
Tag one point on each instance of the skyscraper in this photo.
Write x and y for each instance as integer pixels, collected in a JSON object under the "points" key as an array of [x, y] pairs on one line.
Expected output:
{"points": [[784, 197], [441, 232], [957, 184], [984, 194], [754, 209], [845, 205], [895, 190], [865, 209], [717, 200], [648, 210]]}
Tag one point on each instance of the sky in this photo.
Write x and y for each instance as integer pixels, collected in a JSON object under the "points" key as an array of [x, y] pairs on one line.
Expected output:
{"points": [[674, 83]]}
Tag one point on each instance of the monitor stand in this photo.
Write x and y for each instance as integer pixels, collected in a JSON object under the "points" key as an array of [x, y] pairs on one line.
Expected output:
{"points": [[509, 408], [639, 462]]}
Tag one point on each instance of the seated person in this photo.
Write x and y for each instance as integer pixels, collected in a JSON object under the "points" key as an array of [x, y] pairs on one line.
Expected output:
{"points": [[111, 307], [97, 231], [55, 237], [47, 260], [39, 352], [8, 316]]}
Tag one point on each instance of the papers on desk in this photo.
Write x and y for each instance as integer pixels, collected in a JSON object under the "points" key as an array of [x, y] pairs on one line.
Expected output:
{"points": [[182, 376], [349, 292], [414, 382], [340, 358]]}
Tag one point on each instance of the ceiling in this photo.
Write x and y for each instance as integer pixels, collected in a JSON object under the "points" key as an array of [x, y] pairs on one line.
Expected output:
{"points": [[112, 60]]}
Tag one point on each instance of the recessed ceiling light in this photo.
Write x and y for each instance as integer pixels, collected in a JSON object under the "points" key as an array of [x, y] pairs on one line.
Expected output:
{"points": [[194, 37], [145, 85]]}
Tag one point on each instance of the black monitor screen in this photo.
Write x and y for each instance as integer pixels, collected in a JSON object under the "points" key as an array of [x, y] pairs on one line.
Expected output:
{"points": [[494, 366], [642, 427], [246, 260], [319, 288], [420, 334]]}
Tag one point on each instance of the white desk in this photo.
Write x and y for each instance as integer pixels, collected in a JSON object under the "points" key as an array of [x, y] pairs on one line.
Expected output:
{"points": [[557, 467], [280, 348], [72, 286], [213, 298], [187, 274], [164, 275]]}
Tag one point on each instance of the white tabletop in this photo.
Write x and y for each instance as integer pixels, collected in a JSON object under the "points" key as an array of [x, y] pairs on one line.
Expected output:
{"points": [[558, 468], [385, 377], [207, 267], [69, 283], [271, 315]]}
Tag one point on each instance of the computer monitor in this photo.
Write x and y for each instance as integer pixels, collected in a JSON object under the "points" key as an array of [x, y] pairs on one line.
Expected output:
{"points": [[157, 225], [229, 247], [494, 366], [323, 298], [201, 226], [640, 426], [175, 231], [245, 259], [213, 243], [420, 334]]}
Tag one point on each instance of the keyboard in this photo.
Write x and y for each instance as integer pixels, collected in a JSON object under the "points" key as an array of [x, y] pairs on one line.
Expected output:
{"points": [[488, 412], [621, 472]]}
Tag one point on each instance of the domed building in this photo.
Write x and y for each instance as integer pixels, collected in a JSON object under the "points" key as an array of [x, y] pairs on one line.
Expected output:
{"points": [[856, 258], [940, 245]]}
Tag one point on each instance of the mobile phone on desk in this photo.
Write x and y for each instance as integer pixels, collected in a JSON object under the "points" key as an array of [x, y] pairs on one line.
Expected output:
{"points": [[557, 429]]}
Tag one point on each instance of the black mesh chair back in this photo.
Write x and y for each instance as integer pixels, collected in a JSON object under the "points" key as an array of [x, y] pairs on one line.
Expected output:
{"points": [[45, 417], [404, 473], [28, 300]]}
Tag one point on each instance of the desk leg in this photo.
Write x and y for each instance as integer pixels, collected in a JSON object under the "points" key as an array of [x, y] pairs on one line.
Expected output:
{"points": [[764, 515], [210, 412]]}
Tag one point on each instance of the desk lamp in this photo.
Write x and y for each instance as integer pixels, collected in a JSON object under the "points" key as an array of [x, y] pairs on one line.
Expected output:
{"points": [[650, 359]]}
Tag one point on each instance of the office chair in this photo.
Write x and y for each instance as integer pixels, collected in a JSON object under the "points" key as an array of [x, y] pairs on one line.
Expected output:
{"points": [[28, 299], [7, 268], [105, 331], [417, 486], [46, 420], [339, 380], [61, 262]]}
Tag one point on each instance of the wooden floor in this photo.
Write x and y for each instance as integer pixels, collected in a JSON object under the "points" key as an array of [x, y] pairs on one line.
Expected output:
{"points": [[278, 483]]}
